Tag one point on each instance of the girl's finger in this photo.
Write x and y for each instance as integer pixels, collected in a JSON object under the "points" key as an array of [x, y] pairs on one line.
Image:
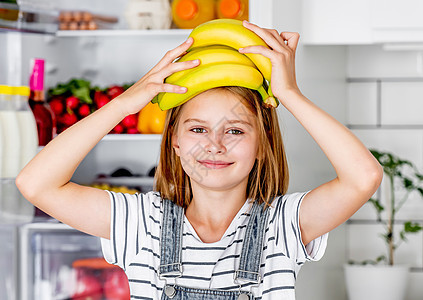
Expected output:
{"points": [[173, 54], [262, 50], [291, 38], [171, 88], [276, 35], [268, 37], [178, 66]]}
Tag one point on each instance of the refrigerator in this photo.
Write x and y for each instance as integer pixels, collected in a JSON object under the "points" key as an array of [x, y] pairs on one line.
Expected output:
{"points": [[45, 259]]}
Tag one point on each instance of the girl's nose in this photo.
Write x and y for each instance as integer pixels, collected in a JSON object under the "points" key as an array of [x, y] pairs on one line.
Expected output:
{"points": [[215, 144]]}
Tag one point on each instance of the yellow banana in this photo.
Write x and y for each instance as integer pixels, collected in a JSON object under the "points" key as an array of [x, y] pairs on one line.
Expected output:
{"points": [[210, 76], [211, 55], [233, 34]]}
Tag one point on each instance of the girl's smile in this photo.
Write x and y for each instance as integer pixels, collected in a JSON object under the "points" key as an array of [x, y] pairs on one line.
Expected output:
{"points": [[216, 140], [215, 164]]}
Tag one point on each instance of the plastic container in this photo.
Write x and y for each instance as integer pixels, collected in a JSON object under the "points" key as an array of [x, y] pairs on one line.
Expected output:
{"points": [[42, 113], [232, 9], [148, 14], [187, 14]]}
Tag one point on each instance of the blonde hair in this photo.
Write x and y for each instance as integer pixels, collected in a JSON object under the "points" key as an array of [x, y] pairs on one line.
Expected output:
{"points": [[268, 177]]}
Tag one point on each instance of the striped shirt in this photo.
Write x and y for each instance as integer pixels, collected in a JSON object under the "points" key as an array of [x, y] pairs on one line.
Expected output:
{"points": [[134, 245]]}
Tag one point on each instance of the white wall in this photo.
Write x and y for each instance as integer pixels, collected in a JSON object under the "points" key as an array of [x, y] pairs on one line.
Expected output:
{"points": [[321, 76], [385, 110]]}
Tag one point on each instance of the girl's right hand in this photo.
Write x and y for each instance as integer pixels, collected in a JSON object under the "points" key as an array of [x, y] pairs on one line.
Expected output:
{"points": [[152, 83]]}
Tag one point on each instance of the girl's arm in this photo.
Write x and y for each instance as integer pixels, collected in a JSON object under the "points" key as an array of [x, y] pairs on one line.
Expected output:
{"points": [[45, 180], [358, 172]]}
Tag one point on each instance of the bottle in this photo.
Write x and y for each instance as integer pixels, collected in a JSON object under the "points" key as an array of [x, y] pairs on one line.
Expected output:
{"points": [[10, 134], [232, 9], [43, 115], [13, 207], [27, 126], [188, 14]]}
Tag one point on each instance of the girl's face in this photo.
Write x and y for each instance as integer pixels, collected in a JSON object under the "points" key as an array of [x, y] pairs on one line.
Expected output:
{"points": [[216, 140]]}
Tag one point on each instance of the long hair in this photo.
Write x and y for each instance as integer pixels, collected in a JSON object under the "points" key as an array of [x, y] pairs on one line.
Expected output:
{"points": [[269, 176]]}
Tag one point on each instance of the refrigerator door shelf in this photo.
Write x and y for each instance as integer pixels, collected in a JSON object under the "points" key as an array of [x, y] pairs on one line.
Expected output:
{"points": [[47, 253]]}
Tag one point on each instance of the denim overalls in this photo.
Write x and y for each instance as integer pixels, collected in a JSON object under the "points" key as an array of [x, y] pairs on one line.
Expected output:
{"points": [[171, 255]]}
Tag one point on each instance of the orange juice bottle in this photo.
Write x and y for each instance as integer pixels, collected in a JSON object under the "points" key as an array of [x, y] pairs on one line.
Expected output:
{"points": [[188, 14], [232, 9]]}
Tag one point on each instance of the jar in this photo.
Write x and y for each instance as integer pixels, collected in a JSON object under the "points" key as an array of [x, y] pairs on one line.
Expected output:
{"points": [[187, 14], [232, 9], [153, 14]]}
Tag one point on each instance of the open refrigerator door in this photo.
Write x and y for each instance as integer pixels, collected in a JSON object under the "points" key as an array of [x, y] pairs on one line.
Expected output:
{"points": [[58, 262]]}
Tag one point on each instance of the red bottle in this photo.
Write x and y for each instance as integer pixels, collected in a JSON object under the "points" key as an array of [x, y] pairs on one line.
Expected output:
{"points": [[43, 115]]}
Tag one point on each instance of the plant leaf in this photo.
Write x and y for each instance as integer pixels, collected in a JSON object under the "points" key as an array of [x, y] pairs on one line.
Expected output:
{"points": [[412, 227], [408, 183], [376, 203]]}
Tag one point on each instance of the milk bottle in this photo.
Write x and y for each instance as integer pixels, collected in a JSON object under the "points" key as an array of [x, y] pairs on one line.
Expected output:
{"points": [[10, 154], [27, 126], [10, 134], [13, 207]]}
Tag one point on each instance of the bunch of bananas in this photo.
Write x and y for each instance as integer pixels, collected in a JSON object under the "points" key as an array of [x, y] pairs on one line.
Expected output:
{"points": [[216, 45]]}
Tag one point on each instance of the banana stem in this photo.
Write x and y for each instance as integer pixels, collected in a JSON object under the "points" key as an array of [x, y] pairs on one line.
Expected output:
{"points": [[155, 99], [268, 100]]}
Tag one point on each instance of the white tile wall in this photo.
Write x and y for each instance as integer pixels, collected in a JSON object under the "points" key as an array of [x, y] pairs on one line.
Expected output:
{"points": [[385, 104], [373, 61], [362, 103], [402, 103], [415, 286]]}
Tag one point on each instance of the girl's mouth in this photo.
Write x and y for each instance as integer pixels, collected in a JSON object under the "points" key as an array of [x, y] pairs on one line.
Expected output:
{"points": [[215, 164]]}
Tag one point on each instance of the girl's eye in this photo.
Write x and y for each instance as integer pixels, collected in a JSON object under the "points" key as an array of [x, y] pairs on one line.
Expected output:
{"points": [[235, 131], [198, 130]]}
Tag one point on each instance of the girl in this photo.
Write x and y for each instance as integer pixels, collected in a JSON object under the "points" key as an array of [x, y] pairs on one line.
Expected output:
{"points": [[219, 225]]}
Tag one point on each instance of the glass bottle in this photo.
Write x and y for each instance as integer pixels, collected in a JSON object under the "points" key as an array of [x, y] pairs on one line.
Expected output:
{"points": [[27, 125], [42, 113]]}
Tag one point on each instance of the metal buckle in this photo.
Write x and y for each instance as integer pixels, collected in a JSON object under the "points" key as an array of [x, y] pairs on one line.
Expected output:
{"points": [[178, 273], [257, 282]]}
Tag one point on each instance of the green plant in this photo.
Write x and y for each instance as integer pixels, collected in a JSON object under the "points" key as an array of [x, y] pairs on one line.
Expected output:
{"points": [[403, 176]]}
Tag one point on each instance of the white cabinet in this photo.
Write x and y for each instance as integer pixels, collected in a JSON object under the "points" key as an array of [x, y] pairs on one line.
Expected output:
{"points": [[331, 22], [397, 21], [346, 22]]}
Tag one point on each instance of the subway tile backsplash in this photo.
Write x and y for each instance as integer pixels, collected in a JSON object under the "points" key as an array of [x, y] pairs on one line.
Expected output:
{"points": [[362, 103], [385, 111], [402, 103]]}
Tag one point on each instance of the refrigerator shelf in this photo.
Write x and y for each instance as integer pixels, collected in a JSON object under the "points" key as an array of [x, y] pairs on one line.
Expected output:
{"points": [[124, 32], [132, 137]]}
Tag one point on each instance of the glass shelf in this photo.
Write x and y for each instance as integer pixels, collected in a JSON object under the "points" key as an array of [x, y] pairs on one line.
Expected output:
{"points": [[132, 137], [124, 32]]}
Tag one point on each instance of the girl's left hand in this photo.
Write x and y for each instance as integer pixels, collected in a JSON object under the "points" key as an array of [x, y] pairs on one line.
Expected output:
{"points": [[281, 54]]}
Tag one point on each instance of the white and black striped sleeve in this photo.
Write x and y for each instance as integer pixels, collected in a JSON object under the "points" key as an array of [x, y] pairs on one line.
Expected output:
{"points": [[288, 209], [125, 225]]}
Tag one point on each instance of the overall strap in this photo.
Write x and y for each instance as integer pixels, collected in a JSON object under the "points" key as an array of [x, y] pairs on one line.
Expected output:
{"points": [[171, 240], [252, 246]]}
